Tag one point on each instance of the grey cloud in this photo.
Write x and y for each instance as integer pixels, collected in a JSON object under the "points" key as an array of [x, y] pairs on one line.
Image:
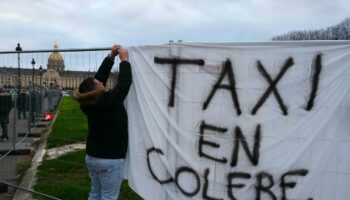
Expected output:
{"points": [[88, 23]]}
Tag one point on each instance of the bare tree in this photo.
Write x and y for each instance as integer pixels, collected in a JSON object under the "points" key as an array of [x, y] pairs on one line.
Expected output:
{"points": [[340, 31]]}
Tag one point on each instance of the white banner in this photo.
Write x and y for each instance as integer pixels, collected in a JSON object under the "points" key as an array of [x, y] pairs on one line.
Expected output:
{"points": [[240, 121]]}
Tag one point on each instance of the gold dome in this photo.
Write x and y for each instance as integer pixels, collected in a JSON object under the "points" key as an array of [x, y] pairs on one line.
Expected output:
{"points": [[55, 55], [55, 60]]}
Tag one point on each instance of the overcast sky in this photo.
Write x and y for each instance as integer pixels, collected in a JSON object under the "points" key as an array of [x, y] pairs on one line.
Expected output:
{"points": [[37, 24]]}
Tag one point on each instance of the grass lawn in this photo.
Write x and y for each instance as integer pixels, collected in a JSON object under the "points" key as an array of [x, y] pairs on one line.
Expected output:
{"points": [[67, 177], [23, 166], [70, 126]]}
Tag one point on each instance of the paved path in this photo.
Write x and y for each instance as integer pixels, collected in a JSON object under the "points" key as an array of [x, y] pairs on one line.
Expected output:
{"points": [[55, 152], [9, 163]]}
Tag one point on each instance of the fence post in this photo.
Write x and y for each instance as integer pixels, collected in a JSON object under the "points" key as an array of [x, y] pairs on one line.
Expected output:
{"points": [[14, 135]]}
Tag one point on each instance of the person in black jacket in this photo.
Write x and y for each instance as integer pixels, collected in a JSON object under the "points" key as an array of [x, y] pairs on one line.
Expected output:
{"points": [[5, 108], [22, 105], [107, 138]]}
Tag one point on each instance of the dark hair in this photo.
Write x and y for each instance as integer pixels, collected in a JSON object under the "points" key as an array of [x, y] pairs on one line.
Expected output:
{"points": [[87, 85]]}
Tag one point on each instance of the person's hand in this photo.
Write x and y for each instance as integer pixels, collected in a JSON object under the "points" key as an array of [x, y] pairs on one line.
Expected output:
{"points": [[115, 50], [123, 54]]}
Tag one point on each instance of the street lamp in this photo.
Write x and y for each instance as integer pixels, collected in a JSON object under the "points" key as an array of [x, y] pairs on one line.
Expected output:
{"points": [[41, 73], [19, 49], [41, 91], [41, 86], [33, 63], [32, 103]]}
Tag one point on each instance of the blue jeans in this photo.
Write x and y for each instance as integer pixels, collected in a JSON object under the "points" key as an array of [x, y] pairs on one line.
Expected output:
{"points": [[106, 177]]}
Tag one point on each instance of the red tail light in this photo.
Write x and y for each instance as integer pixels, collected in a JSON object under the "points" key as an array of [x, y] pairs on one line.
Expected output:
{"points": [[48, 116]]}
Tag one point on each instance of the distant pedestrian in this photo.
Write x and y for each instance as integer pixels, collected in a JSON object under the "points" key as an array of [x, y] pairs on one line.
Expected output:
{"points": [[5, 108], [32, 107], [22, 105]]}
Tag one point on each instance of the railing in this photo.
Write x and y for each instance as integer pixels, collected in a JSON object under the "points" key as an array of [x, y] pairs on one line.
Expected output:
{"points": [[35, 93], [30, 191]]}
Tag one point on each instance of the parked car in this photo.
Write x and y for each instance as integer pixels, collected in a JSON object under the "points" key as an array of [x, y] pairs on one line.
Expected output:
{"points": [[65, 94]]}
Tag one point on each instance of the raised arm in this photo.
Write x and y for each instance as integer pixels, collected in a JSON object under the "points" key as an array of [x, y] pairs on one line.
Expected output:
{"points": [[125, 77], [105, 69]]}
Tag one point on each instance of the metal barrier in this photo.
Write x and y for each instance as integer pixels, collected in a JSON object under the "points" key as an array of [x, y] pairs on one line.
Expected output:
{"points": [[29, 95]]}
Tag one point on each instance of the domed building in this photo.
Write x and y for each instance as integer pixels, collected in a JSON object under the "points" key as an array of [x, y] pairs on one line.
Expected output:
{"points": [[55, 60], [55, 64], [54, 77]]}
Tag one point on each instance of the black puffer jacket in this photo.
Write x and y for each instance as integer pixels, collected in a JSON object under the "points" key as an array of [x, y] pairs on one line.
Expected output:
{"points": [[106, 114], [5, 107]]}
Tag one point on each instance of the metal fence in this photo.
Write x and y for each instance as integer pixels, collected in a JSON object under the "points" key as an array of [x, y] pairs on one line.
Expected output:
{"points": [[32, 84]]}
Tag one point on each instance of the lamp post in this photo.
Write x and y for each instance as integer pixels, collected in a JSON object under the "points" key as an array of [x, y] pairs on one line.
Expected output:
{"points": [[33, 63], [41, 91], [44, 89], [41, 73], [32, 97], [19, 49], [14, 131]]}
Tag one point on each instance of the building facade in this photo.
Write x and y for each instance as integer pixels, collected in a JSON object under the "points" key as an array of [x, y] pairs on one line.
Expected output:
{"points": [[54, 76]]}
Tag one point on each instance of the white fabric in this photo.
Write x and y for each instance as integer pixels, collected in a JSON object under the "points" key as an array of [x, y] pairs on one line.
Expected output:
{"points": [[317, 140]]}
